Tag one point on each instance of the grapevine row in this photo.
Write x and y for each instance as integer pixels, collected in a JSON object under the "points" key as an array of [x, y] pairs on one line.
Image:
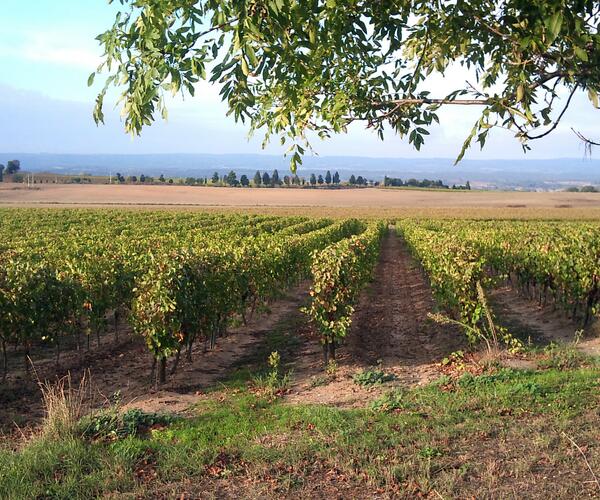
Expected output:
{"points": [[339, 272], [177, 278], [556, 263]]}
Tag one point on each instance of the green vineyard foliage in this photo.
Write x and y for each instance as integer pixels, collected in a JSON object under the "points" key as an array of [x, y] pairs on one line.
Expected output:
{"points": [[339, 272]]}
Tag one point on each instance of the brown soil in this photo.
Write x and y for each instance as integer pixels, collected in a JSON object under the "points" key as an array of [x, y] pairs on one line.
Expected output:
{"points": [[542, 324], [98, 194], [124, 369], [390, 329]]}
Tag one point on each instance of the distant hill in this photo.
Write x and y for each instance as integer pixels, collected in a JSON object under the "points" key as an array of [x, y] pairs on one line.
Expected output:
{"points": [[512, 174]]}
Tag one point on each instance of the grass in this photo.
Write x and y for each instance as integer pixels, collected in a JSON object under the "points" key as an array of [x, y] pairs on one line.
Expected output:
{"points": [[517, 433], [462, 438]]}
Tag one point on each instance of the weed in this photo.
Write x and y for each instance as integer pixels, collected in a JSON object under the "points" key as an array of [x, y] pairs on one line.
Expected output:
{"points": [[455, 359], [372, 377], [391, 401], [331, 367], [564, 357], [319, 381], [64, 406], [274, 382], [486, 329], [109, 424], [430, 452]]}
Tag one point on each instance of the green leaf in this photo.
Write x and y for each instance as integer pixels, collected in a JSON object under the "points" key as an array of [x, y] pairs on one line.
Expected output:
{"points": [[90, 81], [581, 53], [554, 24], [245, 68], [593, 96], [520, 93]]}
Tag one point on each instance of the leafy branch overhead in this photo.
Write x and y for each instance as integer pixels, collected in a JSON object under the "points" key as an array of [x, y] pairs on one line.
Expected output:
{"points": [[292, 67]]}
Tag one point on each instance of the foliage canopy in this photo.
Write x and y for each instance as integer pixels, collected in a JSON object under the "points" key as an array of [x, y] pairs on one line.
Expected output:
{"points": [[292, 67]]}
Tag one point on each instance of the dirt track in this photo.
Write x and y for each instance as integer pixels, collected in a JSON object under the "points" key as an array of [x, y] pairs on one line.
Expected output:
{"points": [[72, 194], [390, 328], [390, 323]]}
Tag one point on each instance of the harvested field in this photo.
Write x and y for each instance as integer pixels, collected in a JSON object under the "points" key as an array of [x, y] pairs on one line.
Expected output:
{"points": [[514, 204]]}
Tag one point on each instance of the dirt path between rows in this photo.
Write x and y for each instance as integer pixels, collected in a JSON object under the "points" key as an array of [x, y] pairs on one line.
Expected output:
{"points": [[124, 369], [542, 324], [390, 328]]}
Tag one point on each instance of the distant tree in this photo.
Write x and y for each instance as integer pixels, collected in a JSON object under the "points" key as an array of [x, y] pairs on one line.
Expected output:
{"points": [[231, 178], [142, 178], [360, 181], [12, 167], [295, 180], [215, 178], [588, 189], [320, 179], [1, 172], [336, 178], [132, 178], [313, 180], [328, 178], [572, 189], [170, 181], [275, 179], [244, 181], [190, 181], [467, 186], [286, 180], [352, 180], [161, 178], [257, 178], [266, 179]]}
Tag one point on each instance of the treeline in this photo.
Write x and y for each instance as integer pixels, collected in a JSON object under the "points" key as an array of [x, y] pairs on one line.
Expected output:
{"points": [[12, 167], [264, 179], [260, 179], [582, 189], [425, 183]]}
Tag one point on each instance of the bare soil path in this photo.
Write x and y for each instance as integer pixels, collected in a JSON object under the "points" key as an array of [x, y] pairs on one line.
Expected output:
{"points": [[390, 323], [541, 323], [390, 328]]}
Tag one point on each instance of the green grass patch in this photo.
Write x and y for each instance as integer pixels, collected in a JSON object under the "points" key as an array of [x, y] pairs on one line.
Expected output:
{"points": [[405, 437]]}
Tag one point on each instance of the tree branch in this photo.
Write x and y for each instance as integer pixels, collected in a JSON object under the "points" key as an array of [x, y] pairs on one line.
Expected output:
{"points": [[587, 141], [562, 113], [424, 100]]}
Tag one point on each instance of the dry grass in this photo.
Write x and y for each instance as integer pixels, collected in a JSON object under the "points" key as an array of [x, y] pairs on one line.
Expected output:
{"points": [[64, 405]]}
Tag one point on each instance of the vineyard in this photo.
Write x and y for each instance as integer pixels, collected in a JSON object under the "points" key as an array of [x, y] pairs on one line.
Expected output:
{"points": [[181, 278], [177, 279], [392, 303], [553, 263]]}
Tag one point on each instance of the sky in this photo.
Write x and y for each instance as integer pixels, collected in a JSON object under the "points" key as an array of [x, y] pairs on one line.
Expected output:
{"points": [[48, 50]]}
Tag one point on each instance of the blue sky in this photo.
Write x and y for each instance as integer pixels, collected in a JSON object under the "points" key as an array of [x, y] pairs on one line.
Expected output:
{"points": [[47, 51]]}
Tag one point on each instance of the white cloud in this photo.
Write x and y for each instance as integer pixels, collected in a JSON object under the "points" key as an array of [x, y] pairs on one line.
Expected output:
{"points": [[53, 48]]}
